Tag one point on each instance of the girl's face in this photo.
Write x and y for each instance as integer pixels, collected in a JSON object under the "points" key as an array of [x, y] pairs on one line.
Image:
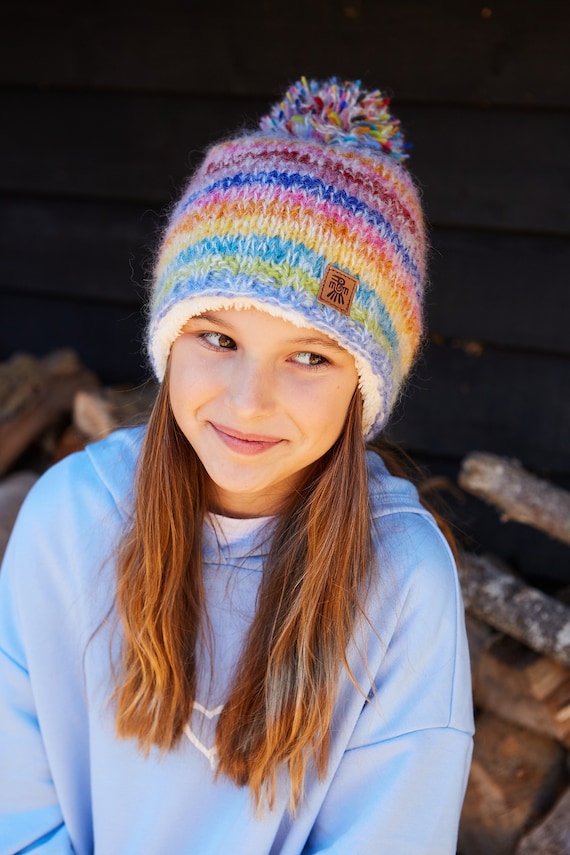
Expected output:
{"points": [[260, 400]]}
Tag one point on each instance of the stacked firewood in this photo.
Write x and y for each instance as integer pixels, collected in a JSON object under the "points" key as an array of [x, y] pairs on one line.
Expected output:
{"points": [[518, 796], [50, 407]]}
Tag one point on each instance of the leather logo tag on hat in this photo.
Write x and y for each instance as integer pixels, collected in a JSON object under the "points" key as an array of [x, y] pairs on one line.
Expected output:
{"points": [[337, 289]]}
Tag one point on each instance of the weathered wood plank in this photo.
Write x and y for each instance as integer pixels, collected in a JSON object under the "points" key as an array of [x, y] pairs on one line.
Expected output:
{"points": [[484, 286], [478, 167], [510, 53], [505, 402], [505, 289], [108, 338], [129, 147], [83, 250]]}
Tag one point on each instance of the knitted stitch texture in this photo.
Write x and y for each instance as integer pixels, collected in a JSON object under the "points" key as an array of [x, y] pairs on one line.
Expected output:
{"points": [[322, 182]]}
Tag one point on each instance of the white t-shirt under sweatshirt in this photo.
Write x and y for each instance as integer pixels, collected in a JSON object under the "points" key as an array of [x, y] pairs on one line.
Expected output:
{"points": [[398, 763]]}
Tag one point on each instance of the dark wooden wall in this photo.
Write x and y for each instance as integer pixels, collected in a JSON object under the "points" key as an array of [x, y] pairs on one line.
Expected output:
{"points": [[105, 110]]}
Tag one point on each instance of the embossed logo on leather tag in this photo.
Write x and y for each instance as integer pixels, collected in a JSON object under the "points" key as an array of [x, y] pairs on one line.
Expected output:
{"points": [[337, 289]]}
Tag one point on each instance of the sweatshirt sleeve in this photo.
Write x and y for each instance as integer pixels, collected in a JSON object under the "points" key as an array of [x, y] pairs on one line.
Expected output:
{"points": [[30, 816], [45, 621], [400, 782]]}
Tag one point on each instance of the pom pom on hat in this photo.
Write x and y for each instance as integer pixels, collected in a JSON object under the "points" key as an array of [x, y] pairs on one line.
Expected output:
{"points": [[337, 114], [313, 218]]}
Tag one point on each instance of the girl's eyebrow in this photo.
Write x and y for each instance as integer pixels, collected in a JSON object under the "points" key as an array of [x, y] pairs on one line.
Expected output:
{"points": [[210, 319], [319, 342]]}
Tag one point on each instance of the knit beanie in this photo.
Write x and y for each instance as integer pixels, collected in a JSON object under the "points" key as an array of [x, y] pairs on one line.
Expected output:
{"points": [[313, 218]]}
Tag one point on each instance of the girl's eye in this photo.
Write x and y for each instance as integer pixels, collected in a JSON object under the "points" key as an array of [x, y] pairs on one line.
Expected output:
{"points": [[305, 357], [219, 340]]}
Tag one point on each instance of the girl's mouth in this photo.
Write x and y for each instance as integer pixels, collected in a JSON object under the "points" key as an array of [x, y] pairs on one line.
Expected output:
{"points": [[244, 443]]}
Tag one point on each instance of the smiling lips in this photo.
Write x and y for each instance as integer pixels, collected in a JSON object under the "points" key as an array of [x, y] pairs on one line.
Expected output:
{"points": [[242, 443]]}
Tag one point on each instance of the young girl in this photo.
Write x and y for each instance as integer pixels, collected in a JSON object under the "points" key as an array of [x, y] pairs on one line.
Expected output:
{"points": [[235, 631]]}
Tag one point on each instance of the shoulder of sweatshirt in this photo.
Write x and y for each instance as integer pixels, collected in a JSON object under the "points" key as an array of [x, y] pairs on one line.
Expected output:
{"points": [[57, 576], [415, 568], [97, 479], [390, 494], [396, 510], [415, 610]]}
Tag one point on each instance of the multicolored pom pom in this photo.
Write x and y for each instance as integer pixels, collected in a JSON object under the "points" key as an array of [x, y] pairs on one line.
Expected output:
{"points": [[337, 113]]}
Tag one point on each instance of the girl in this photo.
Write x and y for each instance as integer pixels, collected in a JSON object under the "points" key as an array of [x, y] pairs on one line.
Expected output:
{"points": [[236, 631]]}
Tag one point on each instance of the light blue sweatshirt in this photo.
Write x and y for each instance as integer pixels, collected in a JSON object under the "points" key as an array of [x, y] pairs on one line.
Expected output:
{"points": [[398, 763]]}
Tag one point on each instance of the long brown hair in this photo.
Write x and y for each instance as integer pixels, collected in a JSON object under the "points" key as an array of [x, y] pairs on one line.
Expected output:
{"points": [[315, 578]]}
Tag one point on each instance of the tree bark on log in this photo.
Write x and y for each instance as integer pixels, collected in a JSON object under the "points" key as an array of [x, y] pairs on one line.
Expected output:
{"points": [[552, 836], [520, 496], [493, 594]]}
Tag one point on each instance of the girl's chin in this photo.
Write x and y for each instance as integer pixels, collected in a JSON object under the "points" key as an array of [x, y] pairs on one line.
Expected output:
{"points": [[231, 500]]}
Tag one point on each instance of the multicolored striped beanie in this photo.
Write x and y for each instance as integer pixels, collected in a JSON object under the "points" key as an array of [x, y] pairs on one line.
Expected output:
{"points": [[313, 218]]}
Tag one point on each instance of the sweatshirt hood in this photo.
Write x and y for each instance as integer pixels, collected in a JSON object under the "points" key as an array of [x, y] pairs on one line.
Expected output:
{"points": [[114, 459]]}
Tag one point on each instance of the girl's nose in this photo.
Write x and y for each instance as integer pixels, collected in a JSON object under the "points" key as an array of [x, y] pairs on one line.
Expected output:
{"points": [[251, 389]]}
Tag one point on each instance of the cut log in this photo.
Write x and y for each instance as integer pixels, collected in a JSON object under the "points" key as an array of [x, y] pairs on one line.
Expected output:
{"points": [[493, 594], [93, 414], [519, 496], [13, 490], [98, 412], [552, 835], [521, 686], [34, 394], [21, 381], [516, 775]]}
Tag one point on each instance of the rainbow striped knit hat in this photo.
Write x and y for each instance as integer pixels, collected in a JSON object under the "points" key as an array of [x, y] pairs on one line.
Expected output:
{"points": [[312, 218]]}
